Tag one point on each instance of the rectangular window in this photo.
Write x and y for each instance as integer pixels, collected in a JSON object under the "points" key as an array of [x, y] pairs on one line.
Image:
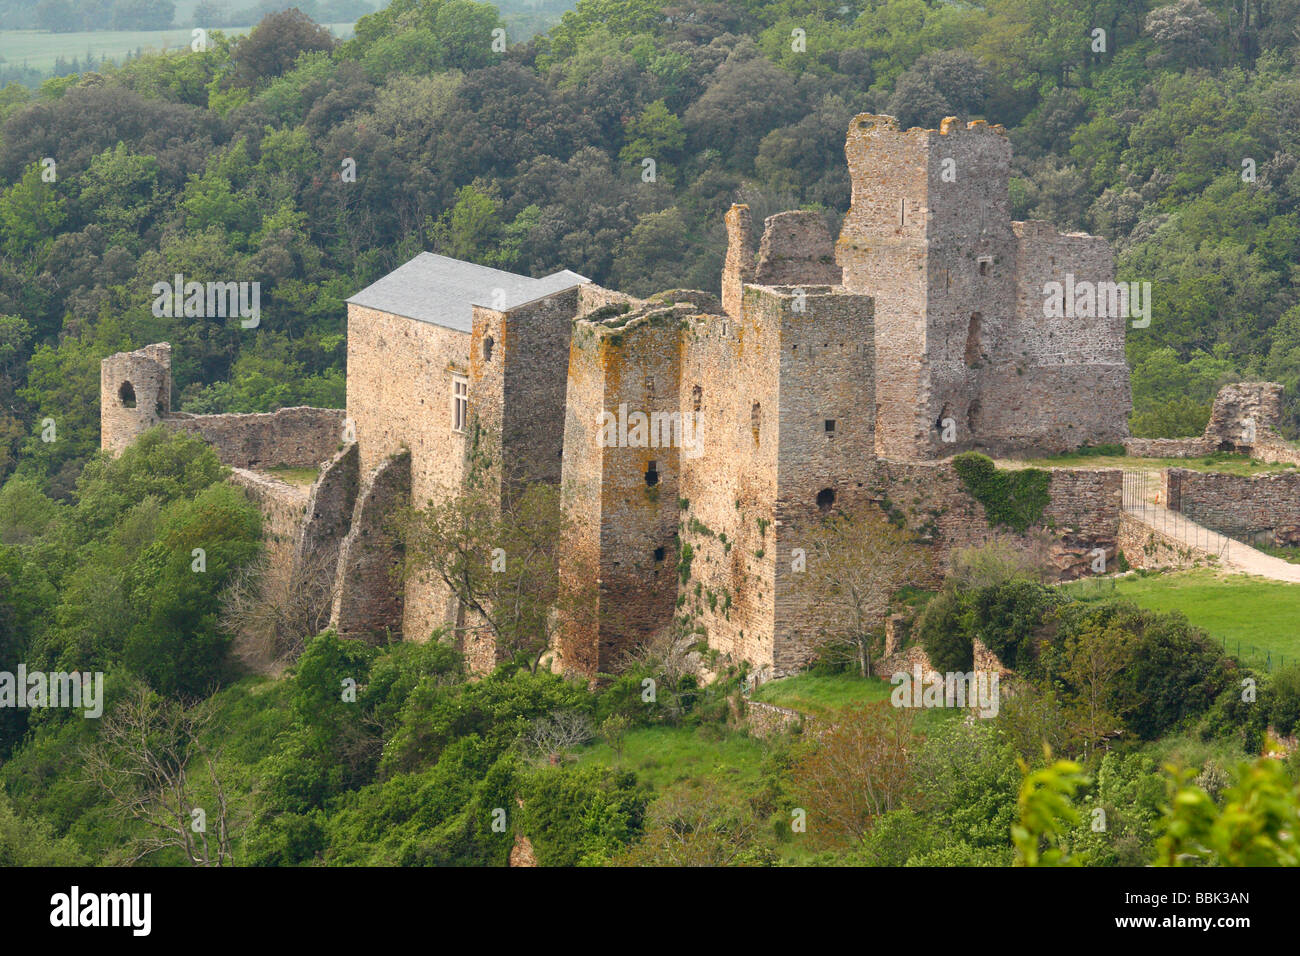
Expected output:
{"points": [[459, 402]]}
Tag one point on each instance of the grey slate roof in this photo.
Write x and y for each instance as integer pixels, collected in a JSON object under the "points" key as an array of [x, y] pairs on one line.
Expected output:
{"points": [[442, 291]]}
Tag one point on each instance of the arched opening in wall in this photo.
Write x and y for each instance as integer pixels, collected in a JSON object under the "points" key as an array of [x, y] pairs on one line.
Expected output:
{"points": [[973, 417], [697, 398], [973, 345], [126, 394], [488, 345], [826, 499], [756, 420], [652, 474], [945, 415]]}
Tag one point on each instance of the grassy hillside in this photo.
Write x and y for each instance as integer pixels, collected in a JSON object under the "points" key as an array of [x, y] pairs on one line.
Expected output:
{"points": [[1248, 615]]}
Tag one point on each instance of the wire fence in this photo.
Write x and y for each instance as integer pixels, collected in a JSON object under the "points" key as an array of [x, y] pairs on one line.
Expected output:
{"points": [[1248, 653], [1141, 498]]}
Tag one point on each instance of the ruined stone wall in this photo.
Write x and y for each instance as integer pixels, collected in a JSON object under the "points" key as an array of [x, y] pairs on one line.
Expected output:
{"points": [[298, 437], [283, 507], [580, 495], [1056, 383], [135, 393], [882, 249], [369, 598], [731, 373], [330, 503], [1082, 512], [739, 266], [958, 289], [1148, 548], [1167, 447], [765, 720], [535, 352], [970, 277], [1244, 412], [796, 249], [592, 297], [1260, 506], [1245, 420]]}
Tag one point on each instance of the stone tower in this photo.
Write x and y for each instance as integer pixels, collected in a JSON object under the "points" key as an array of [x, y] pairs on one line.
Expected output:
{"points": [[135, 393], [929, 238]]}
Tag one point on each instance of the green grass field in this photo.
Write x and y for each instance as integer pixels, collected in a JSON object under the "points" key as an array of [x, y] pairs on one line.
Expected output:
{"points": [[1255, 614], [667, 757], [818, 694], [305, 477], [39, 50]]}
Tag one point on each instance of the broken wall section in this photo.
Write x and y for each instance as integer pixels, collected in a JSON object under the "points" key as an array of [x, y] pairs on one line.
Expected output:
{"points": [[369, 596]]}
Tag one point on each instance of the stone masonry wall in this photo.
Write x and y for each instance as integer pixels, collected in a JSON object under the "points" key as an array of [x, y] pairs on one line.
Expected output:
{"points": [[970, 281], [961, 334], [297, 437], [283, 507], [1056, 383], [730, 373], [400, 375], [368, 601], [1168, 447], [135, 393], [882, 249], [826, 439], [621, 478], [1082, 513], [535, 346], [1145, 547], [796, 249], [330, 504], [1245, 419], [1238, 506], [739, 266]]}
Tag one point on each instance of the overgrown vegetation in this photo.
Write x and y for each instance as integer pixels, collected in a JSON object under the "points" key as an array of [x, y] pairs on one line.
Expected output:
{"points": [[1014, 498]]}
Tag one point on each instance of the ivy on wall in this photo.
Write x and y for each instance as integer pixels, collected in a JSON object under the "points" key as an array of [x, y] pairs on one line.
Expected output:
{"points": [[1015, 498]]}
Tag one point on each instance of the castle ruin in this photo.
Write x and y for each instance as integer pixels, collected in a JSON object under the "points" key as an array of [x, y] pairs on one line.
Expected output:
{"points": [[696, 440]]}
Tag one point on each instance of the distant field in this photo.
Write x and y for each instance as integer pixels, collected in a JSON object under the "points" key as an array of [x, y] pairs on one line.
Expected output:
{"points": [[38, 49], [1253, 614]]}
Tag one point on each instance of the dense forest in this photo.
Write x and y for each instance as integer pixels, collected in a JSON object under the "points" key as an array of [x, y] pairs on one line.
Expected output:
{"points": [[1177, 142], [315, 166]]}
